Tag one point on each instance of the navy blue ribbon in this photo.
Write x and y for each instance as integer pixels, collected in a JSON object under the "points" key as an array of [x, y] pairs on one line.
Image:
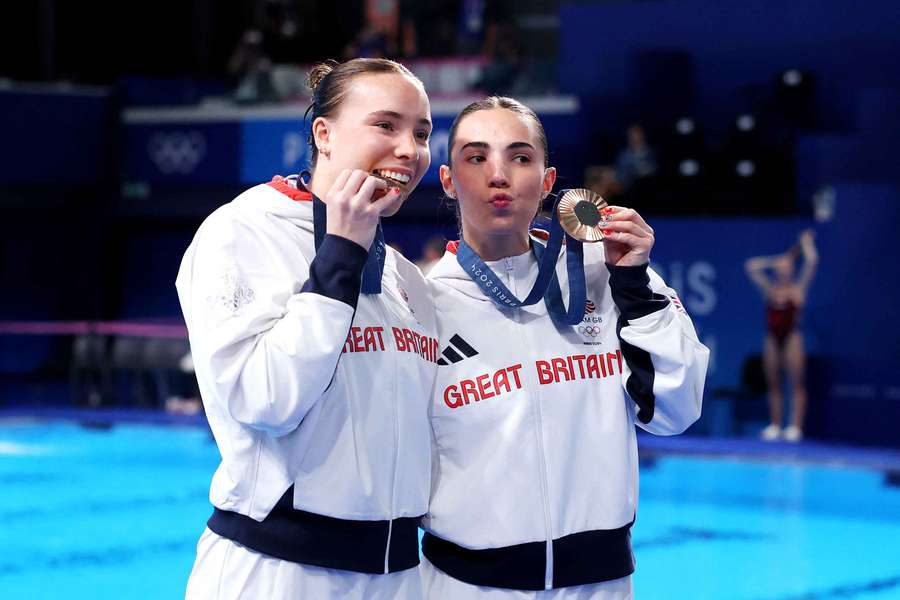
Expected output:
{"points": [[546, 286], [374, 267]]}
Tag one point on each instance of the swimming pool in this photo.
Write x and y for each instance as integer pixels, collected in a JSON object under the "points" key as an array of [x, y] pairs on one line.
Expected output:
{"points": [[112, 513]]}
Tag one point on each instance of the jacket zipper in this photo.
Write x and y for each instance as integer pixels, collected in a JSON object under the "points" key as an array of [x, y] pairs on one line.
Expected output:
{"points": [[548, 572], [396, 443], [545, 493]]}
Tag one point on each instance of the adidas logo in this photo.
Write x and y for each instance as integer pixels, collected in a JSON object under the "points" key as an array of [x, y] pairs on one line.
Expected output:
{"points": [[453, 353]]}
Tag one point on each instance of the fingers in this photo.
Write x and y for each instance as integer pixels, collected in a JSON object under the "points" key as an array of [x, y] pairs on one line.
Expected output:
{"points": [[340, 181], [629, 239], [354, 182], [627, 227], [355, 202], [386, 202], [616, 214], [355, 189], [368, 186]]}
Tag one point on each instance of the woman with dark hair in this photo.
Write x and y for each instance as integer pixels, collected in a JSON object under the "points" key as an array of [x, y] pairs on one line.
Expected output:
{"points": [[534, 484], [314, 348], [785, 295]]}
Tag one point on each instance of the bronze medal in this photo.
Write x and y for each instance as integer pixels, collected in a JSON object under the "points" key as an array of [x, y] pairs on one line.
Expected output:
{"points": [[391, 184], [579, 214]]}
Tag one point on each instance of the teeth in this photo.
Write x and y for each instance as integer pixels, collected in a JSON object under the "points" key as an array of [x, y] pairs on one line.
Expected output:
{"points": [[393, 175]]}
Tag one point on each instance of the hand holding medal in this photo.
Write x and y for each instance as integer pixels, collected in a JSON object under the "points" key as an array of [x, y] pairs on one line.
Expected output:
{"points": [[626, 236]]}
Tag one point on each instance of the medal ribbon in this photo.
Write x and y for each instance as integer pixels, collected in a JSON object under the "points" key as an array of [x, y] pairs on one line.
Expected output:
{"points": [[546, 285]]}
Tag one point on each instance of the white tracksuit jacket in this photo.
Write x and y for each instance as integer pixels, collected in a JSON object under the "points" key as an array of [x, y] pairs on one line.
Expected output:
{"points": [[535, 475], [316, 394]]}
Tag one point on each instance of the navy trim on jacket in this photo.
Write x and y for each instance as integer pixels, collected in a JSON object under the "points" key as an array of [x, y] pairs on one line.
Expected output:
{"points": [[640, 383], [630, 287], [311, 539], [336, 271], [578, 559]]}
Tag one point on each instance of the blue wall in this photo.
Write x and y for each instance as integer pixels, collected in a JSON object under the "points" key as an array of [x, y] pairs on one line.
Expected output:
{"points": [[868, 154], [733, 43], [65, 138], [851, 322]]}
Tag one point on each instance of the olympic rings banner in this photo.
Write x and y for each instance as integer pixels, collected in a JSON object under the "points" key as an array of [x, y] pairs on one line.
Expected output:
{"points": [[231, 145], [178, 152]]}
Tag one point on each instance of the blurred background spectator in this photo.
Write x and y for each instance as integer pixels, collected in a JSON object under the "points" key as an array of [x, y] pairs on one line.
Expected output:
{"points": [[251, 70], [636, 160], [379, 35], [601, 179]]}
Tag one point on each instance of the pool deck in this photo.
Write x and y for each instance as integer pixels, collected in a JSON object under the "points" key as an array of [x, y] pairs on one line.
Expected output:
{"points": [[651, 446]]}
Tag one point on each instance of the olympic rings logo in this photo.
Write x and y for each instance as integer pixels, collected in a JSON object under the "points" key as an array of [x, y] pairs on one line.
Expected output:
{"points": [[177, 151], [590, 330]]}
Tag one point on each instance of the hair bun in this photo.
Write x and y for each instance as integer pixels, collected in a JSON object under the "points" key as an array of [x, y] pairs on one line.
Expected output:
{"points": [[319, 72]]}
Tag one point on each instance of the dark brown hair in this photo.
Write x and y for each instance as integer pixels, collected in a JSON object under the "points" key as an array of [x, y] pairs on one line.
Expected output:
{"points": [[490, 103], [329, 82]]}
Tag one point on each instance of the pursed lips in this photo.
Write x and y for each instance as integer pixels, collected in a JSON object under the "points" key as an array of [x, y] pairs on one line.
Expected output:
{"points": [[501, 200]]}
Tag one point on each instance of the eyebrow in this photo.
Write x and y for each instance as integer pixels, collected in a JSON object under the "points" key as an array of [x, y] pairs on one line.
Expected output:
{"points": [[395, 115], [485, 146]]}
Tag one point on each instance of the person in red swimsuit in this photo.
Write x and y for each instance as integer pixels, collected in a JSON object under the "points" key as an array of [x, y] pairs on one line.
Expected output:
{"points": [[781, 321], [785, 295]]}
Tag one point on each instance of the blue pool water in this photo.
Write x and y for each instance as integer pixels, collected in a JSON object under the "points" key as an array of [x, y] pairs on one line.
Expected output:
{"points": [[115, 513]]}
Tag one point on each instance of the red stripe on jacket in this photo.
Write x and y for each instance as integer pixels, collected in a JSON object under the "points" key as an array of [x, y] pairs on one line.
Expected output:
{"points": [[281, 184]]}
